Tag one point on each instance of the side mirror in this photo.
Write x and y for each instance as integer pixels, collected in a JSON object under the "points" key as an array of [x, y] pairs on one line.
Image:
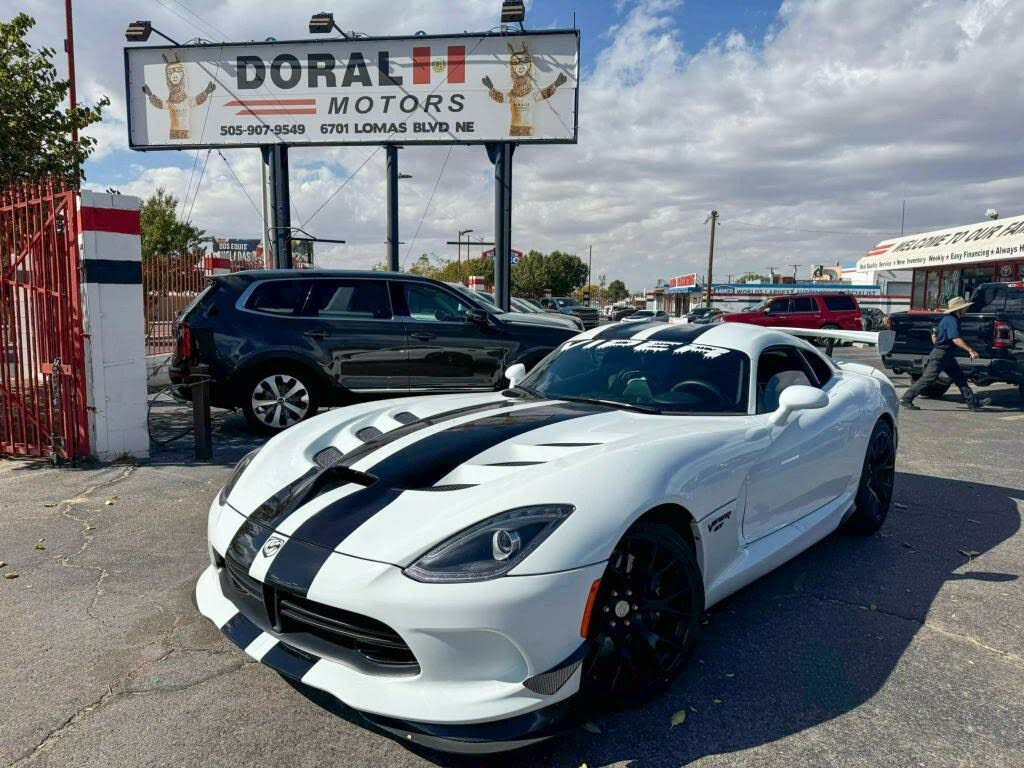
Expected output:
{"points": [[799, 397], [476, 316], [515, 374]]}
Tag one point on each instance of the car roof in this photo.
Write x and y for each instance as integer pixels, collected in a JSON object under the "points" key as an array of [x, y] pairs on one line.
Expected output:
{"points": [[750, 339], [252, 275]]}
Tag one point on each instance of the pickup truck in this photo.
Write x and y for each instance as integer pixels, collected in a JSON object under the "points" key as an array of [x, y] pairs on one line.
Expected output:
{"points": [[994, 326]]}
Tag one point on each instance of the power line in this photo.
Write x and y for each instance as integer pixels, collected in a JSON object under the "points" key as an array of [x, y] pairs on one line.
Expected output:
{"points": [[343, 185], [195, 195], [208, 23], [240, 185], [427, 207], [797, 229]]}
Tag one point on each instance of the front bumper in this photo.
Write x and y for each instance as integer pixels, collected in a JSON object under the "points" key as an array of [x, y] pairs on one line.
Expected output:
{"points": [[475, 644]]}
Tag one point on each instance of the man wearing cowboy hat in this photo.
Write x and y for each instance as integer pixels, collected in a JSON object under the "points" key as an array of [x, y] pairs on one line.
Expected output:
{"points": [[943, 358]]}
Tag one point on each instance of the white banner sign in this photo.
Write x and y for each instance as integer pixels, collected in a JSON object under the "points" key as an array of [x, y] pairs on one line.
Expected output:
{"points": [[997, 240], [416, 90]]}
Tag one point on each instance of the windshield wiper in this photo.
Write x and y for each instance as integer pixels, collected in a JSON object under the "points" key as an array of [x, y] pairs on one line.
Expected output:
{"points": [[612, 403], [526, 390]]}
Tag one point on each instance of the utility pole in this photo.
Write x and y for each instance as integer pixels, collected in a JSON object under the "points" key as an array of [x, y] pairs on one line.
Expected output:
{"points": [[501, 155], [282, 206], [69, 47], [590, 280], [795, 268], [903, 216], [713, 218]]}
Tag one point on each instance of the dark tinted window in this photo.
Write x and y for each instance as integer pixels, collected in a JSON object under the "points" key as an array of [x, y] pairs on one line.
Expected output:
{"points": [[671, 377], [778, 307], [803, 304], [350, 300], [990, 298], [777, 370], [279, 297], [425, 302], [822, 369], [1014, 300], [840, 303]]}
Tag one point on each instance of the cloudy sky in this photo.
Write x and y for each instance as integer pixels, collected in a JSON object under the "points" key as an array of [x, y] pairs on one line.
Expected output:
{"points": [[801, 122]]}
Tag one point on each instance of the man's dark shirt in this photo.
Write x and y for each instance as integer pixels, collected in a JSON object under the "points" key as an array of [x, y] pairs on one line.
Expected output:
{"points": [[949, 329]]}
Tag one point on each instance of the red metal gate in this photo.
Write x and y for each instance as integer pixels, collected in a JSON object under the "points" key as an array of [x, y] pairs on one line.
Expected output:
{"points": [[42, 359]]}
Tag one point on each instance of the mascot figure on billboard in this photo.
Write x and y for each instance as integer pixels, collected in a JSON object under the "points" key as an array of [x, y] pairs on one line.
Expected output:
{"points": [[178, 104], [524, 93]]}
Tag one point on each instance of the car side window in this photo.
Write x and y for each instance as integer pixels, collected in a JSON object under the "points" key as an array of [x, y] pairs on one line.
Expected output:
{"points": [[1014, 301], [425, 302], [991, 299], [840, 303], [823, 370], [803, 304], [778, 307], [280, 297], [778, 369], [349, 300]]}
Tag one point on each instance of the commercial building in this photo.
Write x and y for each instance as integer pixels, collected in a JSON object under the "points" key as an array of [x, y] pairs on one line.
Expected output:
{"points": [[954, 261]]}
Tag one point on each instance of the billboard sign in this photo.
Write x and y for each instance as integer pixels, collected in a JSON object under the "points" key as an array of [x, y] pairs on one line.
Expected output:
{"points": [[237, 249], [515, 255], [460, 89], [683, 281]]}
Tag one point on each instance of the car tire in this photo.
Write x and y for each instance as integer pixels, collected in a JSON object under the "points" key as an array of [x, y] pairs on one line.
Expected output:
{"points": [[936, 390], [289, 391], [822, 342], [878, 475], [646, 617]]}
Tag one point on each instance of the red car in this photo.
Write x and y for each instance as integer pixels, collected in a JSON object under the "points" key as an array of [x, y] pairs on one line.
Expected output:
{"points": [[817, 310]]}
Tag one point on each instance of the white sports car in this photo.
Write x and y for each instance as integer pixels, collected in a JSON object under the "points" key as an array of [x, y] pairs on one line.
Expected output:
{"points": [[466, 571]]}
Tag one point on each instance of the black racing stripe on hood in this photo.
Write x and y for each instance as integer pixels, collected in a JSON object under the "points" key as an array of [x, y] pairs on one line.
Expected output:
{"points": [[390, 436], [668, 331], [426, 461], [275, 509]]}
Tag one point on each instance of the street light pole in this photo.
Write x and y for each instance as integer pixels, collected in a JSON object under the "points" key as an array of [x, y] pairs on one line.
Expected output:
{"points": [[711, 254], [590, 279], [459, 257], [392, 213]]}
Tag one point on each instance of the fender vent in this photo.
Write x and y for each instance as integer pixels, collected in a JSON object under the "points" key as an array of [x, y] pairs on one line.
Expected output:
{"points": [[404, 417], [366, 434], [328, 457]]}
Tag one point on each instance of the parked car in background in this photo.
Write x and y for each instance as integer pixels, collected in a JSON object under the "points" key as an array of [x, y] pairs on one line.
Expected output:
{"points": [[873, 319], [993, 326], [705, 315], [648, 315], [566, 305], [828, 311], [618, 313], [282, 344], [518, 305]]}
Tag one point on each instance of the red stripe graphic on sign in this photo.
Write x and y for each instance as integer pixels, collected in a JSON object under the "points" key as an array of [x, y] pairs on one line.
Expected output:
{"points": [[275, 106], [456, 63], [421, 65]]}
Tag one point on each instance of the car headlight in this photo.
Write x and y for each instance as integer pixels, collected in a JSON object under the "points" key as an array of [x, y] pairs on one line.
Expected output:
{"points": [[491, 548], [236, 473]]}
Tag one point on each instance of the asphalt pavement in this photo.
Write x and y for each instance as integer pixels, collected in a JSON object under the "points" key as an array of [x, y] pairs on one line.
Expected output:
{"points": [[901, 649]]}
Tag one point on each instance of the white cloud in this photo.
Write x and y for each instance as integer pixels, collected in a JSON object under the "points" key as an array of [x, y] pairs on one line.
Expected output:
{"points": [[844, 110]]}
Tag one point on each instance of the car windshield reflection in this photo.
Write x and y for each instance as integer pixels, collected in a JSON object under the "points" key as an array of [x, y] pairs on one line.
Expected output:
{"points": [[657, 376]]}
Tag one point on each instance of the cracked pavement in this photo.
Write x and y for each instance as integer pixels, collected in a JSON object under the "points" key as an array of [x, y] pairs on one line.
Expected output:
{"points": [[903, 649]]}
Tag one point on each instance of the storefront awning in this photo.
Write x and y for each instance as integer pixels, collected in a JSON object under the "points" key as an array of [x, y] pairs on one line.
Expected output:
{"points": [[990, 240]]}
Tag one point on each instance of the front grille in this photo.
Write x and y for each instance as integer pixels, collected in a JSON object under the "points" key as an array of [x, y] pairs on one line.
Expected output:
{"points": [[290, 613]]}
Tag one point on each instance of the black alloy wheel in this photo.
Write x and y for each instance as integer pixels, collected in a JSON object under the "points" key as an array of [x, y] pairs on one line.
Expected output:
{"points": [[646, 617], [874, 494]]}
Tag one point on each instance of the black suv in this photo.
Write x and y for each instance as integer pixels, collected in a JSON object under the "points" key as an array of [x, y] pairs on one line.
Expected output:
{"points": [[282, 344], [566, 305]]}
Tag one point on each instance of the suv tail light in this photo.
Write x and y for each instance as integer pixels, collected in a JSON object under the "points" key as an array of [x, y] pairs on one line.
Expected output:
{"points": [[1002, 335], [184, 342], [888, 322]]}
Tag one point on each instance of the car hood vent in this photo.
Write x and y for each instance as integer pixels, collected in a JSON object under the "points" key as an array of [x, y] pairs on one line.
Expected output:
{"points": [[366, 434]]}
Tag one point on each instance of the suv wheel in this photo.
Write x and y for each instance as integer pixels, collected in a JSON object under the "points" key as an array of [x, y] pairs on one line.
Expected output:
{"points": [[277, 397]]}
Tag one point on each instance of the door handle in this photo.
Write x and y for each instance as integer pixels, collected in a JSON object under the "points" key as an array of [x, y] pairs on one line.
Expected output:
{"points": [[319, 335], [422, 336]]}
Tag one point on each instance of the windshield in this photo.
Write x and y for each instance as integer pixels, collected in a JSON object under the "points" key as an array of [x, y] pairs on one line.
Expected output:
{"points": [[644, 313], [668, 377], [567, 302], [759, 306]]}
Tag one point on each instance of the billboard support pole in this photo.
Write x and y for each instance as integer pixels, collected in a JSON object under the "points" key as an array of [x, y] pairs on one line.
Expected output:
{"points": [[266, 173], [501, 155], [281, 205], [392, 214]]}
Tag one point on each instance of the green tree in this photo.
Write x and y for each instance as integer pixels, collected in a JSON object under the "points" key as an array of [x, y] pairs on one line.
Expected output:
{"points": [[162, 231], [560, 272], [617, 290], [35, 132]]}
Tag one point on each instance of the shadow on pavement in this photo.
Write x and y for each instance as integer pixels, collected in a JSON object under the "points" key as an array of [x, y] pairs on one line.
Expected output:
{"points": [[811, 641]]}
